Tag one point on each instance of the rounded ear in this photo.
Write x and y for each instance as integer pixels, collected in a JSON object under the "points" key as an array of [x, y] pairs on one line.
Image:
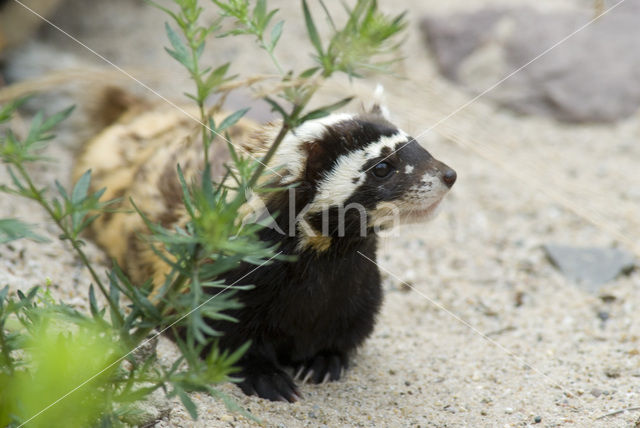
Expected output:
{"points": [[379, 107], [261, 138], [378, 110]]}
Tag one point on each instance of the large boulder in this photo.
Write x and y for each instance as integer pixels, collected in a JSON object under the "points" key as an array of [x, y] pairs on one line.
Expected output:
{"points": [[590, 76]]}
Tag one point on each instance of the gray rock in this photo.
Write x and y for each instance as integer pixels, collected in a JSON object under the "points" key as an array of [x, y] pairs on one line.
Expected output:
{"points": [[591, 267], [455, 38], [592, 76], [148, 412]]}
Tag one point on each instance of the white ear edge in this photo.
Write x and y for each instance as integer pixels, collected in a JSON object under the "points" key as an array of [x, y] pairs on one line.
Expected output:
{"points": [[380, 100]]}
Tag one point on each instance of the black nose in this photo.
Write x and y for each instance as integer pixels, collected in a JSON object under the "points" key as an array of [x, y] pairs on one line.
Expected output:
{"points": [[449, 177]]}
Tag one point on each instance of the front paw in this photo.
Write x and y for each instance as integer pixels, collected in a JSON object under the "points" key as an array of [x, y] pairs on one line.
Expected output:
{"points": [[270, 382], [323, 367]]}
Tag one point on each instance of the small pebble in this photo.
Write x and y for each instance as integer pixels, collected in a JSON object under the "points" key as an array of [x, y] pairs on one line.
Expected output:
{"points": [[608, 298], [508, 410], [603, 315], [405, 286], [612, 373], [537, 419], [596, 392]]}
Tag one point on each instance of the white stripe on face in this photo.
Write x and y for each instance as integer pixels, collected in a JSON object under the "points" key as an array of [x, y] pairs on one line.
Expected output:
{"points": [[291, 154], [347, 174]]}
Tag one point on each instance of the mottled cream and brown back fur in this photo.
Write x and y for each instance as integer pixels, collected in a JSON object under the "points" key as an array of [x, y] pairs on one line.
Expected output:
{"points": [[135, 158]]}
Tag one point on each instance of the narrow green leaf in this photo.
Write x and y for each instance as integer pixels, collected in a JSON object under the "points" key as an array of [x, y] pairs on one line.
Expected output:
{"points": [[276, 107], [312, 31], [235, 356], [232, 405], [87, 221], [186, 196], [329, 17], [232, 119], [98, 194], [309, 72], [80, 190], [114, 297], [93, 304], [8, 109], [267, 20], [259, 11], [324, 111], [34, 129], [180, 51], [276, 32], [20, 187], [12, 229], [207, 187], [187, 402], [55, 119], [32, 293], [217, 76], [199, 50], [164, 9]]}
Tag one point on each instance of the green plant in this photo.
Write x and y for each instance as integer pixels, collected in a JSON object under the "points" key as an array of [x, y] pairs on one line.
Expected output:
{"points": [[127, 326], [210, 243], [61, 349]]}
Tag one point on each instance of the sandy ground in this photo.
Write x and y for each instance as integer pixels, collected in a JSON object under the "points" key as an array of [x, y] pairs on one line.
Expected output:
{"points": [[477, 329]]}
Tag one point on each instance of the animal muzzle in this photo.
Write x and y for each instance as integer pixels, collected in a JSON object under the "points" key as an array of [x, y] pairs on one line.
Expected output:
{"points": [[444, 172]]}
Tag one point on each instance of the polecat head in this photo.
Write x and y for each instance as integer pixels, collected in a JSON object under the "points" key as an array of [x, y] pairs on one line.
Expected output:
{"points": [[354, 174]]}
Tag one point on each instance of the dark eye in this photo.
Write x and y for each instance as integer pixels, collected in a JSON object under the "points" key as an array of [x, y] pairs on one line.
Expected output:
{"points": [[382, 169]]}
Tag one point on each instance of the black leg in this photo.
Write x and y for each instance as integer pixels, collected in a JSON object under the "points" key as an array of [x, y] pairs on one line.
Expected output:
{"points": [[265, 379]]}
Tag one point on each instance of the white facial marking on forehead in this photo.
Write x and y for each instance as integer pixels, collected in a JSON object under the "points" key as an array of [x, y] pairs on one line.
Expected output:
{"points": [[374, 150], [338, 184], [291, 154], [313, 129], [408, 169]]}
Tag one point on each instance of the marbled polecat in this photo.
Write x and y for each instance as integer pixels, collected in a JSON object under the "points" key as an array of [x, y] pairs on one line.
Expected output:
{"points": [[350, 179]]}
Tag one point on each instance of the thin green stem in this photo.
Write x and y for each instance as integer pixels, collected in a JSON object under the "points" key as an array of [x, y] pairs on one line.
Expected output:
{"points": [[37, 196], [275, 61], [269, 51], [196, 76]]}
